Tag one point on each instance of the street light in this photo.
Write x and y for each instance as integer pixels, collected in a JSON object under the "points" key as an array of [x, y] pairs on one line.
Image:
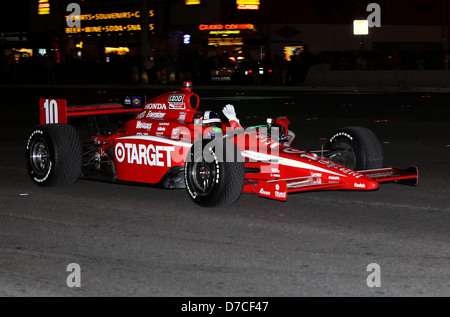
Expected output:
{"points": [[361, 28]]}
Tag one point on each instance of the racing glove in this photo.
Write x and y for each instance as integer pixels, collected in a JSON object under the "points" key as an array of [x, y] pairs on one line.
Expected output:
{"points": [[230, 113]]}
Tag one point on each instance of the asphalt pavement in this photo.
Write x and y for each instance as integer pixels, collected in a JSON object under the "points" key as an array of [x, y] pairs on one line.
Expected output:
{"points": [[140, 241]]}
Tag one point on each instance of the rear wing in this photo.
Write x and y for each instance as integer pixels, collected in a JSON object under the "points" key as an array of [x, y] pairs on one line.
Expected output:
{"points": [[53, 111]]}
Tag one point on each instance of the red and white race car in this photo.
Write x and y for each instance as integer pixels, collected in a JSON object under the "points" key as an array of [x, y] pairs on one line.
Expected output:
{"points": [[168, 143]]}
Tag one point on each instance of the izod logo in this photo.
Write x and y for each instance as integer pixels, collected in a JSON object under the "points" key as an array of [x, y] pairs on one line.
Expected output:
{"points": [[176, 98]]}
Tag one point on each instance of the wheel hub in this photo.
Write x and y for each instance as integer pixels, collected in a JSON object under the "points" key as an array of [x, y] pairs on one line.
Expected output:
{"points": [[203, 177], [40, 157]]}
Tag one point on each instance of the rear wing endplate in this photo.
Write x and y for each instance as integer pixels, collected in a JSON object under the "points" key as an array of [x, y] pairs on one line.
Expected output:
{"points": [[53, 111]]}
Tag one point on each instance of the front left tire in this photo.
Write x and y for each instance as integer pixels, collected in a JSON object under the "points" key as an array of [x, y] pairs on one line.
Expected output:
{"points": [[214, 176]]}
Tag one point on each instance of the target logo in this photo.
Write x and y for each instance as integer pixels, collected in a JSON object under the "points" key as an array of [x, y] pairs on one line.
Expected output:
{"points": [[142, 154], [120, 152]]}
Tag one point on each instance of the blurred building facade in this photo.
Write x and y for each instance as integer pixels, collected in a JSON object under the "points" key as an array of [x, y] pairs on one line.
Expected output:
{"points": [[177, 38]]}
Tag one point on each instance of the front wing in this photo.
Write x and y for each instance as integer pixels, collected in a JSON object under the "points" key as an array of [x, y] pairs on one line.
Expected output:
{"points": [[279, 189]]}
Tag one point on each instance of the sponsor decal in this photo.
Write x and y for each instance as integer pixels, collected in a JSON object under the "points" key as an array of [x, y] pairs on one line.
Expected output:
{"points": [[156, 106], [274, 191], [141, 115], [316, 174], [280, 194], [176, 98], [127, 100], [161, 129], [180, 106], [252, 155], [334, 178], [268, 141], [137, 101], [182, 116], [176, 132], [176, 102], [143, 125], [142, 154], [360, 185], [325, 162], [156, 115]]}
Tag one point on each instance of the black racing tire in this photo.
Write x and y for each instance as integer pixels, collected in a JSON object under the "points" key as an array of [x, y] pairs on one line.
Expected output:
{"points": [[356, 148], [213, 179], [54, 155]]}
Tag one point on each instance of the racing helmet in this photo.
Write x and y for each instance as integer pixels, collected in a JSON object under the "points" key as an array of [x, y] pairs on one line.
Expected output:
{"points": [[210, 119]]}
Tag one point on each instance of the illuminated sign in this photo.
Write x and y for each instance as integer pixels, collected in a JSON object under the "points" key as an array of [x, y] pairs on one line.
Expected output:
{"points": [[43, 7], [248, 4], [110, 16], [108, 29], [114, 15], [360, 27], [209, 27], [220, 41], [225, 32], [117, 50], [117, 22], [192, 2]]}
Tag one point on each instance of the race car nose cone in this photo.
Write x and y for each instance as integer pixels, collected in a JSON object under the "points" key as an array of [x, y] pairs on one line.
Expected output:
{"points": [[366, 184]]}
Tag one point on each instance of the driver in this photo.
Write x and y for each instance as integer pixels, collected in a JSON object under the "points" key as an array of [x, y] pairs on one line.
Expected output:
{"points": [[212, 119], [209, 119]]}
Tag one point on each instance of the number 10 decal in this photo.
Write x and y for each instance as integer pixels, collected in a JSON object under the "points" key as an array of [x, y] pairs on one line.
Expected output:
{"points": [[53, 111]]}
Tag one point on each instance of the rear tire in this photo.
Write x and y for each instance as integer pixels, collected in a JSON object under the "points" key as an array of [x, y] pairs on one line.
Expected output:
{"points": [[212, 180], [54, 155], [356, 148]]}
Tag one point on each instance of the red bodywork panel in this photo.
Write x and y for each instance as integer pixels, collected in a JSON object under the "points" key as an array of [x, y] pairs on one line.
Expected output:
{"points": [[146, 159]]}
